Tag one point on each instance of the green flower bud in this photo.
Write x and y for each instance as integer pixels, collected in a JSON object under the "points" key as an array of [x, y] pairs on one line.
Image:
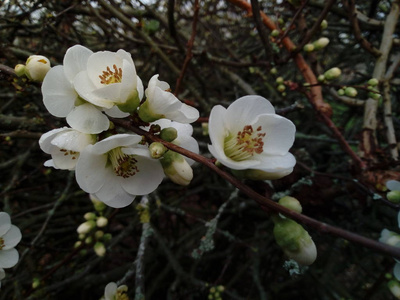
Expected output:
{"points": [[99, 249], [88, 240], [291, 203], [273, 71], [101, 222], [86, 227], [19, 70], [321, 78], [169, 134], [295, 241], [332, 73], [89, 216], [281, 88], [374, 93], [350, 91], [35, 283], [340, 92], [107, 237], [394, 287], [157, 150], [324, 24], [373, 82], [77, 244], [281, 21], [321, 43], [177, 168], [275, 32], [279, 80], [393, 196], [98, 234], [309, 47], [204, 127], [98, 205]]}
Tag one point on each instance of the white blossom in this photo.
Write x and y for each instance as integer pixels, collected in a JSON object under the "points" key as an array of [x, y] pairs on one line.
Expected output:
{"points": [[114, 292], [249, 136]]}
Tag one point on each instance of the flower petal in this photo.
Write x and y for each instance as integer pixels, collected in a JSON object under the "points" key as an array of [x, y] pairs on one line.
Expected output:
{"points": [[59, 95], [8, 258], [12, 238], [112, 194], [393, 185], [277, 163], [115, 141], [75, 61], [5, 223], [46, 139], [110, 291], [185, 114], [233, 164], [115, 112], [88, 119]]}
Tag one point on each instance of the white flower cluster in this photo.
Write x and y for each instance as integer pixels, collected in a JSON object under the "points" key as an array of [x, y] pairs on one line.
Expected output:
{"points": [[10, 236], [87, 89]]}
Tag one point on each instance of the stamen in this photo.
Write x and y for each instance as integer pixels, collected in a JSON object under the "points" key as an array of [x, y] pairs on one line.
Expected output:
{"points": [[109, 76], [74, 154], [1, 243], [245, 144], [124, 165]]}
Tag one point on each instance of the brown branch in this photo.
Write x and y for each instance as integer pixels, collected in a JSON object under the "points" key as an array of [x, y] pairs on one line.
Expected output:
{"points": [[190, 44], [264, 202]]}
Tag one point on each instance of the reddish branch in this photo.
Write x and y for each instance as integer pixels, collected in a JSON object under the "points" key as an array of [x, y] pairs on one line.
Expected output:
{"points": [[265, 203], [315, 93]]}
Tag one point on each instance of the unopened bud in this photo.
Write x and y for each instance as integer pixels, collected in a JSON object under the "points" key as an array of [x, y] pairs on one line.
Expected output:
{"points": [[99, 249], [37, 67], [98, 205], [157, 150], [324, 24], [204, 127], [89, 240], [393, 196], [101, 222], [273, 71], [291, 203], [350, 91], [309, 47], [85, 227], [279, 80], [394, 287], [340, 92], [321, 43], [19, 70], [177, 168], [107, 237], [98, 234], [332, 73], [77, 244], [281, 88], [89, 216], [321, 78], [275, 32], [169, 134], [373, 82], [35, 283]]}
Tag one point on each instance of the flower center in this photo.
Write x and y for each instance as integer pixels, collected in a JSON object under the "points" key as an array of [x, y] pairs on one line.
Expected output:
{"points": [[121, 295], [109, 76], [1, 243], [124, 165], [74, 154], [245, 143]]}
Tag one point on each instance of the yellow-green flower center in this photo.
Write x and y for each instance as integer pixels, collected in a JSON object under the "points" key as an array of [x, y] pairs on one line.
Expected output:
{"points": [[111, 76], [124, 165], [74, 154], [245, 143], [1, 243]]}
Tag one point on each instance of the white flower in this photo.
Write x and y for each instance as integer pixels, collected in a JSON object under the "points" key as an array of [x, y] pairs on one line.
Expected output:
{"points": [[37, 67], [114, 292], [64, 145], [249, 136], [108, 79], [61, 99], [10, 236], [160, 103], [117, 169]]}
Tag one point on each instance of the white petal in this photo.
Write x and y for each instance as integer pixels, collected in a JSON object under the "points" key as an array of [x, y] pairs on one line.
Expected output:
{"points": [[279, 133], [115, 112], [185, 114], [50, 163], [99, 62], [72, 140], [216, 128], [147, 179], [277, 163], [113, 194], [88, 119], [129, 81], [233, 164], [139, 87], [12, 238], [59, 95], [189, 143], [8, 258], [393, 185], [115, 141], [91, 170], [5, 223], [62, 161], [110, 291], [75, 61], [245, 110], [46, 138]]}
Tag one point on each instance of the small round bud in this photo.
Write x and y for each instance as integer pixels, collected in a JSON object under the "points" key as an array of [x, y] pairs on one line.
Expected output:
{"points": [[98, 205], [204, 127], [291, 203], [332, 73], [169, 134], [321, 78], [98, 234], [177, 168], [81, 236], [86, 227], [220, 288], [77, 244], [99, 249], [107, 237], [275, 32], [35, 283], [19, 70], [340, 92], [273, 71], [393, 196], [89, 216], [89, 240], [281, 88], [101, 222], [281, 21], [350, 91], [321, 43], [309, 47], [373, 82], [37, 67], [279, 80], [324, 24], [157, 150]]}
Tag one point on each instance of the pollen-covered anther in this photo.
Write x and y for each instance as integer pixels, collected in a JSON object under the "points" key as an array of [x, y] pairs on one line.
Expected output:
{"points": [[245, 144], [109, 76], [124, 165], [1, 243], [70, 152]]}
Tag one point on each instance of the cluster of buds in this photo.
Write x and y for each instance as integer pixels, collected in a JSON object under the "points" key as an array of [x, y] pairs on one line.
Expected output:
{"points": [[372, 86], [294, 240], [90, 231], [35, 68], [348, 91], [280, 85], [317, 45], [215, 292]]}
